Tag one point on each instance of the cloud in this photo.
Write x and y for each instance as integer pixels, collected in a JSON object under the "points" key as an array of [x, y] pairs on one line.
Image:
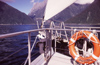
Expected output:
{"points": [[32, 1], [84, 2], [7, 0], [35, 1]]}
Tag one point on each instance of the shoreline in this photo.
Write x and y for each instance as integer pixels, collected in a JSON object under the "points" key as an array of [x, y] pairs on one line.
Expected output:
{"points": [[46, 24]]}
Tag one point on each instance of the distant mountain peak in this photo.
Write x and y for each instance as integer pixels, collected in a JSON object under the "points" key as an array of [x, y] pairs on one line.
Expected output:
{"points": [[37, 6]]}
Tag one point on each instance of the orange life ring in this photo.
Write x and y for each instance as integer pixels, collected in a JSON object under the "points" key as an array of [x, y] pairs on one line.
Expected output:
{"points": [[96, 44]]}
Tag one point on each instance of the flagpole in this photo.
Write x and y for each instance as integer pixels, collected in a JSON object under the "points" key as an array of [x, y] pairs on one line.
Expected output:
{"points": [[42, 24]]}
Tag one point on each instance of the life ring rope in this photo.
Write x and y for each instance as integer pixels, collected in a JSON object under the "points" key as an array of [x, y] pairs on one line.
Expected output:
{"points": [[73, 39], [90, 37], [94, 56], [85, 35]]}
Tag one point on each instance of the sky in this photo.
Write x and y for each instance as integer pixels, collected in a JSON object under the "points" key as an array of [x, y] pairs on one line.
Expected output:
{"points": [[26, 5], [22, 5]]}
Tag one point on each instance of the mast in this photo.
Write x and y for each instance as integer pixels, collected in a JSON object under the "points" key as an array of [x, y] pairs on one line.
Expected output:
{"points": [[42, 24]]}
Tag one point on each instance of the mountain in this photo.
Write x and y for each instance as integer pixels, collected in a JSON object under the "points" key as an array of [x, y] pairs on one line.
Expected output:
{"points": [[10, 15], [39, 8], [89, 16], [70, 12]]}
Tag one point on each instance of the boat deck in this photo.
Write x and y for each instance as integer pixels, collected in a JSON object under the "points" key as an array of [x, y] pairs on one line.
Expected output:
{"points": [[60, 59]]}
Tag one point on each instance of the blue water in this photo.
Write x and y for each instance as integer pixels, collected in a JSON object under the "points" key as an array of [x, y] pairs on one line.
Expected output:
{"points": [[12, 44]]}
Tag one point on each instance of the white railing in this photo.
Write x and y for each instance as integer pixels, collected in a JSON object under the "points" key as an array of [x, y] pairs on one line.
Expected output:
{"points": [[29, 39], [52, 28]]}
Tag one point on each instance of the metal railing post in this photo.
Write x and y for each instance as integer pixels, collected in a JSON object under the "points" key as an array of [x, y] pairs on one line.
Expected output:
{"points": [[37, 25], [55, 41], [61, 28], [71, 31], [29, 48], [48, 44]]}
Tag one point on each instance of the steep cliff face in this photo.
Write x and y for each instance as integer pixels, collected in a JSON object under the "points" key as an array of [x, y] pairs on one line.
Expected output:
{"points": [[38, 10], [89, 16], [10, 15]]}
